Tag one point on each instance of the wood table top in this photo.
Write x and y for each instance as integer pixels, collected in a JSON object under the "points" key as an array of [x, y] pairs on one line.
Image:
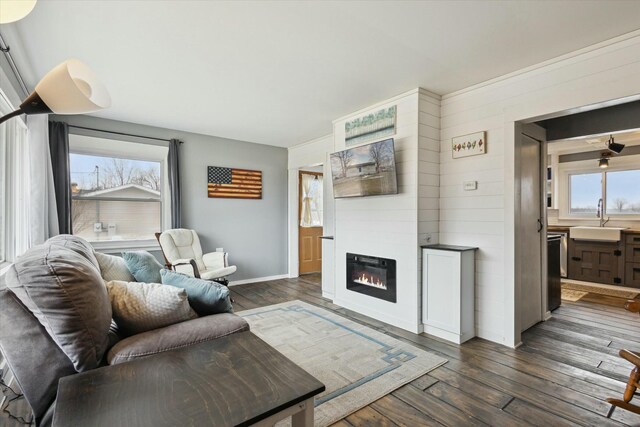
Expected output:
{"points": [[236, 380]]}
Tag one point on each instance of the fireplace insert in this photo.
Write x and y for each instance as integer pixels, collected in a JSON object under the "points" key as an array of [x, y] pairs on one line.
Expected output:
{"points": [[373, 276]]}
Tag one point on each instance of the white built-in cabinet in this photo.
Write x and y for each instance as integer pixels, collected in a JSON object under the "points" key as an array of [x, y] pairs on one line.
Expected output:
{"points": [[448, 292]]}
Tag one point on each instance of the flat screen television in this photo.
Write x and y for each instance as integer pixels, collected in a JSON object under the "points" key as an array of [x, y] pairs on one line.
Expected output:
{"points": [[367, 170]]}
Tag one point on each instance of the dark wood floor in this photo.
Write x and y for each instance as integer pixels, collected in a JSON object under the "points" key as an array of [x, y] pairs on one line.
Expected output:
{"points": [[560, 376]]}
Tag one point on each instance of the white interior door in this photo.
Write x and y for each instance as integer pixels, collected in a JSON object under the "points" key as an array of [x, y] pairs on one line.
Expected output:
{"points": [[531, 227]]}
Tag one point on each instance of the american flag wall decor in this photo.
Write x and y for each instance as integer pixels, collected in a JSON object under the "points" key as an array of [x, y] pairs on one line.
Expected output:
{"points": [[234, 183]]}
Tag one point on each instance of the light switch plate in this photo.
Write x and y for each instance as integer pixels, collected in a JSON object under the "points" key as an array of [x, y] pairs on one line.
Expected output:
{"points": [[470, 185]]}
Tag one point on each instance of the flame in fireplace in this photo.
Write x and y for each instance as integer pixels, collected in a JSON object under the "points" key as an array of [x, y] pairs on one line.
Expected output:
{"points": [[370, 280]]}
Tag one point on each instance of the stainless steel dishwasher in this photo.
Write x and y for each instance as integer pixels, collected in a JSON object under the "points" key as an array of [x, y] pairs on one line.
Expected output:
{"points": [[563, 251]]}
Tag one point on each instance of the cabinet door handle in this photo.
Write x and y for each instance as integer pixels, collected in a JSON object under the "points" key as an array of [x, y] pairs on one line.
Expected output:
{"points": [[576, 258], [540, 225]]}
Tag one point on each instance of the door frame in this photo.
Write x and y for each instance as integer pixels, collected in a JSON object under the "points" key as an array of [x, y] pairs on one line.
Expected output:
{"points": [[299, 217]]}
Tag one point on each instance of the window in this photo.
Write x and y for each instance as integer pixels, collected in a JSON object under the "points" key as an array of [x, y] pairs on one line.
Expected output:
{"points": [[623, 192], [618, 189], [117, 190], [585, 191], [311, 192]]}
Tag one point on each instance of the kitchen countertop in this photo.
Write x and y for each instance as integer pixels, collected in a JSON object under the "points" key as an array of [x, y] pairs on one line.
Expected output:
{"points": [[565, 228]]}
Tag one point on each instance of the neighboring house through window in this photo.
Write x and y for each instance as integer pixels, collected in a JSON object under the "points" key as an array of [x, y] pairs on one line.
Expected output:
{"points": [[119, 191]]}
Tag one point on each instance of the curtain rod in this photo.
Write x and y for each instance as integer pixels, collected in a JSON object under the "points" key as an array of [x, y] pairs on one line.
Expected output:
{"points": [[121, 133], [14, 68]]}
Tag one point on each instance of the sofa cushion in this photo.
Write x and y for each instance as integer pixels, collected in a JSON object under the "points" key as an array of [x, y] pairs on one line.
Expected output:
{"points": [[140, 307], [205, 297], [176, 336], [34, 358], [75, 244], [60, 284], [113, 268], [144, 266]]}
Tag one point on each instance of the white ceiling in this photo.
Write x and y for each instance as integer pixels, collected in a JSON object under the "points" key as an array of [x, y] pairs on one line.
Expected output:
{"points": [[278, 73]]}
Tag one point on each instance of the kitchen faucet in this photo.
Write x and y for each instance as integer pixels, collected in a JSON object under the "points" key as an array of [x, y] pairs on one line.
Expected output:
{"points": [[601, 213]]}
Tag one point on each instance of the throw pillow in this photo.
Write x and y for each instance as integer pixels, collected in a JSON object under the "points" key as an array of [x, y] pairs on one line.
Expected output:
{"points": [[205, 296], [139, 307], [63, 289], [144, 266], [113, 268]]}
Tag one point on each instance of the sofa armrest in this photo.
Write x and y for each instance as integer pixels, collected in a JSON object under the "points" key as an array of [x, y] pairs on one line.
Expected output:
{"points": [[176, 336], [184, 262], [215, 260]]}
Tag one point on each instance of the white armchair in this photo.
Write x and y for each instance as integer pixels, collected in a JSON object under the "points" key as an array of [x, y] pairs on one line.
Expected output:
{"points": [[182, 250]]}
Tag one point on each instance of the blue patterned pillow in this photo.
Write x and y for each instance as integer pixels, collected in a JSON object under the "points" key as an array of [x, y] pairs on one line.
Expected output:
{"points": [[143, 266], [205, 296]]}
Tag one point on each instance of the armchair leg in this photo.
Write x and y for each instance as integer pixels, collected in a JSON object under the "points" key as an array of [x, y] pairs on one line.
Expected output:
{"points": [[223, 281], [631, 385]]}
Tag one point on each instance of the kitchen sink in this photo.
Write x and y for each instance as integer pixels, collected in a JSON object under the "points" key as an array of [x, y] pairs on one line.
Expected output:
{"points": [[602, 234]]}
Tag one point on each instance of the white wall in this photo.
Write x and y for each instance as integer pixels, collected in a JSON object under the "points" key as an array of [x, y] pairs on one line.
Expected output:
{"points": [[486, 217]]}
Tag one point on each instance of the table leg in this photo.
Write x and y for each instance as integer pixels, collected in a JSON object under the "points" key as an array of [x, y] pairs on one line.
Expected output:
{"points": [[303, 418]]}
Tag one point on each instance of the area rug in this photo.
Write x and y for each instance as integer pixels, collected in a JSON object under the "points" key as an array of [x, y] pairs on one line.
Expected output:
{"points": [[620, 293], [571, 295], [357, 364]]}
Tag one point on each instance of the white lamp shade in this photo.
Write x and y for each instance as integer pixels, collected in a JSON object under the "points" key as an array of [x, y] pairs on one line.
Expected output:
{"points": [[72, 88], [14, 10]]}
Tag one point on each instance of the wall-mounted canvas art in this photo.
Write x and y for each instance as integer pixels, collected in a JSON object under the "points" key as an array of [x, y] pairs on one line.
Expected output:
{"points": [[371, 127], [469, 145], [232, 183]]}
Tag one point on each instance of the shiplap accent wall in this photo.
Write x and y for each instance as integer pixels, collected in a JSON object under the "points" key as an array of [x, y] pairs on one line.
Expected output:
{"points": [[486, 217], [387, 226], [428, 171]]}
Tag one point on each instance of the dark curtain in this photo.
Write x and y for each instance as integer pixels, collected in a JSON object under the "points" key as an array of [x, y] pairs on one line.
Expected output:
{"points": [[174, 182], [59, 146]]}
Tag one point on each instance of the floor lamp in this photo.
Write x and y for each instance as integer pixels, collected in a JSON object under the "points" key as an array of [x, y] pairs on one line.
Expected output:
{"points": [[69, 88]]}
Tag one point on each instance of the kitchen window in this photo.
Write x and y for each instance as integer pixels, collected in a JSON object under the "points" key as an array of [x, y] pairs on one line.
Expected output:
{"points": [[585, 190], [118, 192], [623, 192], [618, 189]]}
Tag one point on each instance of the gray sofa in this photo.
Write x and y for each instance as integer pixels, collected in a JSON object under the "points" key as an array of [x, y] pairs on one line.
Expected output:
{"points": [[55, 320]]}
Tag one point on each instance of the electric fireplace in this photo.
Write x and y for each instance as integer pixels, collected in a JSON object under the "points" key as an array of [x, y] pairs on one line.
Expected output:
{"points": [[373, 276]]}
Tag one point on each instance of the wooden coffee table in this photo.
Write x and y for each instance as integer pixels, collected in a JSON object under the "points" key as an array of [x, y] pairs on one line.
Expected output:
{"points": [[237, 380]]}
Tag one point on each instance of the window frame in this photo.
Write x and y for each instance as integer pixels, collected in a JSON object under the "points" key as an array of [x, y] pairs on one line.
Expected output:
{"points": [[567, 170], [129, 149]]}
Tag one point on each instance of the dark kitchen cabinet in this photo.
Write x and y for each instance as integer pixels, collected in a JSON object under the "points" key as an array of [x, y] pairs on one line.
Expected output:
{"points": [[599, 262], [632, 257]]}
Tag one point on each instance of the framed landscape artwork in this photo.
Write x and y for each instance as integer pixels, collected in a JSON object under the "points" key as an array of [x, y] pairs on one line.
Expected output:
{"points": [[371, 127], [469, 145], [232, 183]]}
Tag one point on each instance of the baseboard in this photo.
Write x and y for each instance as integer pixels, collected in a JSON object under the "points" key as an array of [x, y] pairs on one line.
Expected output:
{"points": [[328, 295], [258, 279]]}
